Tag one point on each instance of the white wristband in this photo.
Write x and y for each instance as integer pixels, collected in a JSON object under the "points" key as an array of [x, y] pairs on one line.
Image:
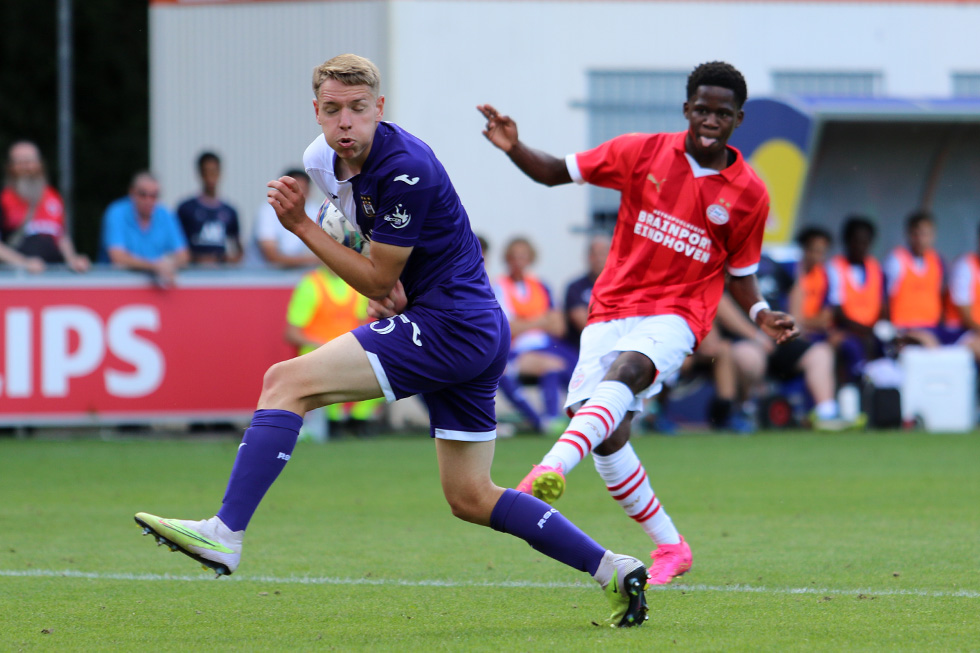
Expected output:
{"points": [[756, 308]]}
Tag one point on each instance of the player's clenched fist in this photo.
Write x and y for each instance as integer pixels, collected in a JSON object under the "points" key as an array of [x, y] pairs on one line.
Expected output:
{"points": [[287, 199], [390, 306]]}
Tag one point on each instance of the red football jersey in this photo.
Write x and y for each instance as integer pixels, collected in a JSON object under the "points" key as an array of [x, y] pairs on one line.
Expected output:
{"points": [[677, 231], [49, 215]]}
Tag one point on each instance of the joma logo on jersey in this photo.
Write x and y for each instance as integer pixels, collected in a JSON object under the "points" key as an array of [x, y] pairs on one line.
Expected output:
{"points": [[407, 180], [399, 218]]}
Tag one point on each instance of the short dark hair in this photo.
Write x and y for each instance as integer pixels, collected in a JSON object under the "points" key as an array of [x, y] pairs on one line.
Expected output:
{"points": [[718, 73], [918, 217], [809, 233], [855, 223], [297, 173], [204, 157]]}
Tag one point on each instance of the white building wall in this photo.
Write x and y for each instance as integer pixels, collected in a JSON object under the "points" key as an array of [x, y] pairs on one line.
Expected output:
{"points": [[248, 95], [237, 79]]}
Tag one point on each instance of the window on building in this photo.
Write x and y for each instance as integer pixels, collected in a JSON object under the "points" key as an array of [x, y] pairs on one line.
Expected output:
{"points": [[828, 83], [966, 85], [621, 102]]}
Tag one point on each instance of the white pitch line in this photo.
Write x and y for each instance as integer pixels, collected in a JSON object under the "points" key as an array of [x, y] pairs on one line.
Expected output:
{"points": [[968, 594], [327, 580]]}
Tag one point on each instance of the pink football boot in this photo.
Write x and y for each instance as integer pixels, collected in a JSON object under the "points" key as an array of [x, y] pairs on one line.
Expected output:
{"points": [[669, 562], [544, 482]]}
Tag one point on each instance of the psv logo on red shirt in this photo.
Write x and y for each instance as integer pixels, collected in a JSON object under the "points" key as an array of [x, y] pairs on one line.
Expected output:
{"points": [[717, 214]]}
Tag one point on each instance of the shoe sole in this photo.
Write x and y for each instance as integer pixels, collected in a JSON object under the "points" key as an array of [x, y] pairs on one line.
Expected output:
{"points": [[218, 568], [667, 582], [635, 584], [548, 487]]}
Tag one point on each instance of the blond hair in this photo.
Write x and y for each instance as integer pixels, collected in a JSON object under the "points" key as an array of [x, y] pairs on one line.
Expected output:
{"points": [[349, 70]]}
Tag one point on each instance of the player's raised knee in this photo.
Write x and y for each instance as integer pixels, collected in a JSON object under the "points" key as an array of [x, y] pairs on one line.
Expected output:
{"points": [[633, 369], [276, 382]]}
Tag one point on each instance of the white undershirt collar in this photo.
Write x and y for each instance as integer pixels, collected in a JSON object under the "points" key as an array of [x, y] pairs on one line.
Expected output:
{"points": [[698, 170]]}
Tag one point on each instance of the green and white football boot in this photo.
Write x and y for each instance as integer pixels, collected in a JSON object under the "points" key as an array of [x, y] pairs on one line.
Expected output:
{"points": [[209, 541], [624, 580]]}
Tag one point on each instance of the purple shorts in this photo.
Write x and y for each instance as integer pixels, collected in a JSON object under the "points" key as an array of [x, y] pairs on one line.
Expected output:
{"points": [[453, 358]]}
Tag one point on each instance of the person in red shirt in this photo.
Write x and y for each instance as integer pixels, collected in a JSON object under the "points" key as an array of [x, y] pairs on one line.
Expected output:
{"points": [[691, 211], [33, 225]]}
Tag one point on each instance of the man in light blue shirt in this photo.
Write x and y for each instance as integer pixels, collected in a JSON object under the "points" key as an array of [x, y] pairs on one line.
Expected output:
{"points": [[138, 233]]}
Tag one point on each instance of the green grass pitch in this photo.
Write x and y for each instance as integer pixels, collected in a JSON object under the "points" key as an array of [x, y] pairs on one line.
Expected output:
{"points": [[802, 542]]}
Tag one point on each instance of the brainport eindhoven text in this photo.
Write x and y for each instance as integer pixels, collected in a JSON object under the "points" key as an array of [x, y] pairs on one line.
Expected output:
{"points": [[671, 232]]}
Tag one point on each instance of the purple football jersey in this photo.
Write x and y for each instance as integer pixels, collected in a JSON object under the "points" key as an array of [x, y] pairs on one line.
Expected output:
{"points": [[450, 344], [403, 196]]}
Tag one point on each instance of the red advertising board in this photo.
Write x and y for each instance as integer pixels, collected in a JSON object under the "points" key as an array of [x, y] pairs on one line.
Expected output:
{"points": [[114, 348]]}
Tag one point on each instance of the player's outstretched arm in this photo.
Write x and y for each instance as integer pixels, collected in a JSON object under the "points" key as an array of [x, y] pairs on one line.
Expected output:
{"points": [[539, 166], [779, 326]]}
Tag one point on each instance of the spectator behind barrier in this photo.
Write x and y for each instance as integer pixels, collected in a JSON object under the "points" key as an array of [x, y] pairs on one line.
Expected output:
{"points": [[276, 245], [484, 247], [916, 283], [856, 296], [714, 356], [808, 295], [210, 225], [139, 233], [579, 291], [32, 215], [757, 358], [963, 318], [537, 327]]}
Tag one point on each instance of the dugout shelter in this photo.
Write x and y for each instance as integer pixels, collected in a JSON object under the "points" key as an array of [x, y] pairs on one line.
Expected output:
{"points": [[826, 158]]}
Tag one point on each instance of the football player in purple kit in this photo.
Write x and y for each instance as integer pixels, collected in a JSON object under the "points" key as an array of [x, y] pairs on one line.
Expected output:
{"points": [[440, 334]]}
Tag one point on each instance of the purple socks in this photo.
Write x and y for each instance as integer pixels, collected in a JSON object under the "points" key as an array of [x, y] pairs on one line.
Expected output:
{"points": [[264, 451], [546, 530], [268, 445]]}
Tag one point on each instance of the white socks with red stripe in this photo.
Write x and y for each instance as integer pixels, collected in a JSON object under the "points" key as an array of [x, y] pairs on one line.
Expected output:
{"points": [[592, 424], [627, 482]]}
